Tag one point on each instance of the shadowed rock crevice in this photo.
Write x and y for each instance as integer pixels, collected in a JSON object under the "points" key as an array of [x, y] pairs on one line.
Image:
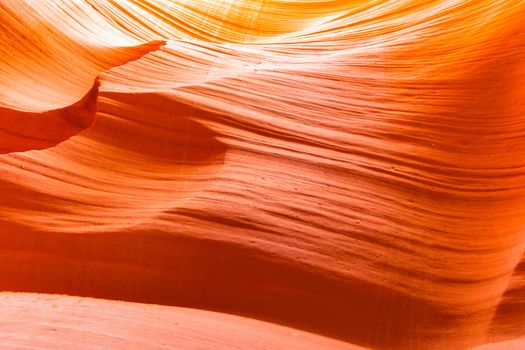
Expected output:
{"points": [[162, 268], [25, 131]]}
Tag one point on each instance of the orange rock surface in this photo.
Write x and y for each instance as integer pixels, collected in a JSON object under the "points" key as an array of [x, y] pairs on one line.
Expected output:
{"points": [[249, 174]]}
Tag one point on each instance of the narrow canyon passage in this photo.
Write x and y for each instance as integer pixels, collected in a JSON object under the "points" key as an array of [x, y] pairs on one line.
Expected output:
{"points": [[262, 174]]}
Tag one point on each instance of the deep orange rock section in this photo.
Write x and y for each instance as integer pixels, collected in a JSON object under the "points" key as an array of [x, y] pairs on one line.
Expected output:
{"points": [[274, 174]]}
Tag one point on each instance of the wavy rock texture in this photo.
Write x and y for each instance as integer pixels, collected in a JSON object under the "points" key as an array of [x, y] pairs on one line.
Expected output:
{"points": [[319, 174]]}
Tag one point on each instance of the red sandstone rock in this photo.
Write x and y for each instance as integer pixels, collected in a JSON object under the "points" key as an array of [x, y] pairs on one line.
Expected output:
{"points": [[346, 168]]}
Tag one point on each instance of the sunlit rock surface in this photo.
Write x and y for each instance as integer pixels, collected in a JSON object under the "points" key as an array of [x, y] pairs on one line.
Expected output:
{"points": [[262, 174]]}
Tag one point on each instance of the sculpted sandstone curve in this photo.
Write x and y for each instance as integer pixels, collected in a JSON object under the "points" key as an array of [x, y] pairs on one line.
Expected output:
{"points": [[332, 174]]}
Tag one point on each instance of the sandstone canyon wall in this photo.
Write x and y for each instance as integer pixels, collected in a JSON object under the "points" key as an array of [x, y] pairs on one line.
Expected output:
{"points": [[249, 174]]}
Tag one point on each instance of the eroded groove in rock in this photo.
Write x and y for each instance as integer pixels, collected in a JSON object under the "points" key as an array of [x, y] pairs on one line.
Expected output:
{"points": [[104, 178], [47, 92], [25, 131]]}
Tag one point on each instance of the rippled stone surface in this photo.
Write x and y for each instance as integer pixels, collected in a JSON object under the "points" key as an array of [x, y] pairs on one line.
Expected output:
{"points": [[262, 174]]}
